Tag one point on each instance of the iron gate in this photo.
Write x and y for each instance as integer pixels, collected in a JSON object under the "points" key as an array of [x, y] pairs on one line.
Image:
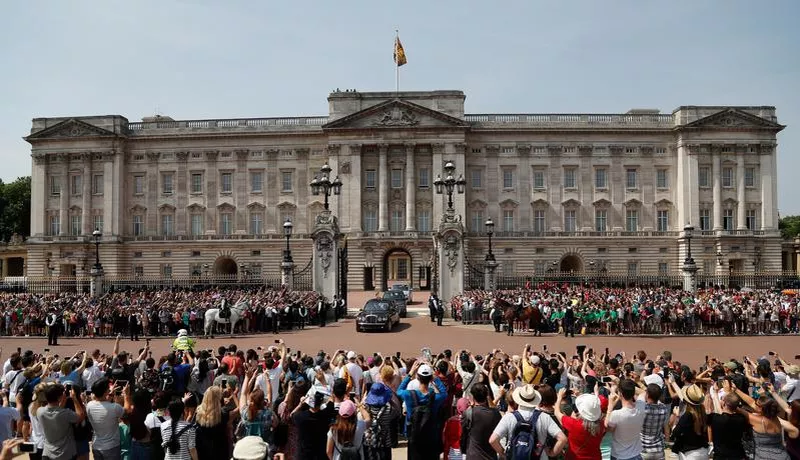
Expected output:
{"points": [[474, 275], [343, 272], [303, 280]]}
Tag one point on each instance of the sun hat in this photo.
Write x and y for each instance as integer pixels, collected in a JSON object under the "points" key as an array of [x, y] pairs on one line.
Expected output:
{"points": [[730, 365], [379, 394], [526, 397], [588, 407], [347, 408], [425, 371], [535, 360], [693, 395], [351, 355], [250, 448], [654, 379]]}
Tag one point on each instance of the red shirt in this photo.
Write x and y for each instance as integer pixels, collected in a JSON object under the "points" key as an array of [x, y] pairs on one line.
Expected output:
{"points": [[582, 446], [451, 435], [235, 365]]}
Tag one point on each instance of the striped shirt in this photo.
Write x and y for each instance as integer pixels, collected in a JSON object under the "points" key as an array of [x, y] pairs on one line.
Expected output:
{"points": [[656, 416], [186, 441]]}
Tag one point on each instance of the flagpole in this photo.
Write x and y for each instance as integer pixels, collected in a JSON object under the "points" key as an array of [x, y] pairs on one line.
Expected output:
{"points": [[396, 67]]}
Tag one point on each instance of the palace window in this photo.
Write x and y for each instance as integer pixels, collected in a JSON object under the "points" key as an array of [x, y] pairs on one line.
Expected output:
{"points": [[749, 177], [167, 224], [397, 178], [703, 175], [256, 223], [508, 220], [476, 224], [601, 178], [705, 219], [424, 220], [369, 178], [138, 225], [538, 221], [97, 184], [600, 220], [750, 219], [55, 224], [286, 181], [76, 184], [727, 219], [661, 178], [570, 181], [196, 185], [55, 185], [662, 220], [663, 268], [570, 220], [424, 179], [138, 185], [633, 268], [508, 178], [75, 225], [167, 186], [370, 220], [197, 224], [476, 177], [631, 181], [226, 223], [631, 220], [538, 179], [397, 223], [256, 181], [727, 177], [226, 182], [98, 222], [166, 271]]}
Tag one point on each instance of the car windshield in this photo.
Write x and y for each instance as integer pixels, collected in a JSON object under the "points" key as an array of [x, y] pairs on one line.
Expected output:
{"points": [[400, 287], [376, 307], [393, 295]]}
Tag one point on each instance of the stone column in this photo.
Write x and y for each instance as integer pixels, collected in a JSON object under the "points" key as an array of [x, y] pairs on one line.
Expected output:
{"points": [[353, 185], [689, 276], [182, 184], [63, 205], [716, 172], [88, 179], [383, 189], [769, 195], [153, 186], [490, 276], [287, 275], [437, 170], [241, 187], [741, 223], [450, 257], [411, 188], [325, 264], [109, 226], [40, 190]]}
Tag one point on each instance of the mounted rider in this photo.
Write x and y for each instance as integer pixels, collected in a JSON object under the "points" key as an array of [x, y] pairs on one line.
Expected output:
{"points": [[183, 342], [224, 309]]}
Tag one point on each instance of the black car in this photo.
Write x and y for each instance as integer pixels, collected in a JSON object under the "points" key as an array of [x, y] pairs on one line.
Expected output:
{"points": [[399, 299], [377, 314]]}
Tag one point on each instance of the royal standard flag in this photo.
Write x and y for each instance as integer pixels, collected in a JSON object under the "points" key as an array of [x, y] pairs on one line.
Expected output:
{"points": [[399, 53]]}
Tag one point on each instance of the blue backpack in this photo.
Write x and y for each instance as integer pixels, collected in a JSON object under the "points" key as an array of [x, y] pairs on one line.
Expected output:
{"points": [[524, 445]]}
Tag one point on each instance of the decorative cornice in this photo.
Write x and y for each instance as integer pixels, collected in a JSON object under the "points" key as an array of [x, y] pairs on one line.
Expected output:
{"points": [[39, 158], [554, 149], [242, 154], [646, 149], [355, 149], [437, 148], [272, 152], [383, 149], [524, 149], [460, 147], [585, 149], [211, 155], [616, 149], [182, 156], [153, 156], [333, 149]]}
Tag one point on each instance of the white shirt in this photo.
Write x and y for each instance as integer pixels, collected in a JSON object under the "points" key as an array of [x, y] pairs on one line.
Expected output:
{"points": [[7, 366], [544, 426], [358, 438], [274, 381], [626, 441], [91, 375], [37, 435], [13, 380], [355, 373], [151, 420]]}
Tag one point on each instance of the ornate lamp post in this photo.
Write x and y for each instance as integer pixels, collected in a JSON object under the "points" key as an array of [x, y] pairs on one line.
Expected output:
{"points": [[449, 184], [287, 233], [97, 234], [489, 232], [322, 184], [491, 264], [96, 284], [689, 267]]}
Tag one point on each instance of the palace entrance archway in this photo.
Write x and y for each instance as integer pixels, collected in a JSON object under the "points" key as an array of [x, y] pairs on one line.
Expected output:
{"points": [[571, 264]]}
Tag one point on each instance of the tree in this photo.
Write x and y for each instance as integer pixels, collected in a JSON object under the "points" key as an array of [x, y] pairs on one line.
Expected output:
{"points": [[15, 208], [789, 226]]}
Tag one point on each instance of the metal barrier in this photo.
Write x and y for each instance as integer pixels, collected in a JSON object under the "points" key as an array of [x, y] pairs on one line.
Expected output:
{"points": [[43, 285]]}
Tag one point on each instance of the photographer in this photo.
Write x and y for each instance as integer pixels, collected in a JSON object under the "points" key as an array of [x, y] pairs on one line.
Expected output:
{"points": [[57, 422]]}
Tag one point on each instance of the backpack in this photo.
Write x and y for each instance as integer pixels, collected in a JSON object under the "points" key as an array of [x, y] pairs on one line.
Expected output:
{"points": [[150, 380], [256, 427], [372, 436], [167, 378], [348, 451], [523, 444], [423, 423], [156, 447]]}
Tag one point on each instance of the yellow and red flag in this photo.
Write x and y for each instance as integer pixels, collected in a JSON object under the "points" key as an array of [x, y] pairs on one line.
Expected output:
{"points": [[399, 53]]}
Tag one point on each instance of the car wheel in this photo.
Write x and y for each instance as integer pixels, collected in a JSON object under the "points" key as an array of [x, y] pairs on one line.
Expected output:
{"points": [[358, 329], [389, 326]]}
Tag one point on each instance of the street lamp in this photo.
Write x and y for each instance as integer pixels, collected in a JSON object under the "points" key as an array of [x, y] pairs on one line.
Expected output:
{"points": [[324, 185], [97, 234], [490, 231], [687, 233], [287, 233], [449, 183]]}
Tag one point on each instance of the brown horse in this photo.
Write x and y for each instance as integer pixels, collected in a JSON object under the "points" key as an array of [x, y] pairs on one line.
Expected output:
{"points": [[531, 316]]}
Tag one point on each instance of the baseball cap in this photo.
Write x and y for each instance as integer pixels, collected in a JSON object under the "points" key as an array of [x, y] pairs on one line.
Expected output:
{"points": [[347, 408], [425, 370], [351, 355], [535, 360]]}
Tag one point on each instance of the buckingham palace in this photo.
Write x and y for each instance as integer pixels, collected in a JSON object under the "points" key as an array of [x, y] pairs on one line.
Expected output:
{"points": [[566, 192]]}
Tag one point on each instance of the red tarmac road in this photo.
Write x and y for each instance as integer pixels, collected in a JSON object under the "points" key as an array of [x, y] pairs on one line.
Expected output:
{"points": [[414, 333]]}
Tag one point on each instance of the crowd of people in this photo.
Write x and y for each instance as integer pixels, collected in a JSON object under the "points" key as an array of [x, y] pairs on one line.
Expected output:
{"points": [[596, 310], [159, 313], [276, 403]]}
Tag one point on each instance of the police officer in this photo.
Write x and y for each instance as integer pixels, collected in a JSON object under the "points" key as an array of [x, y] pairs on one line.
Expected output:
{"points": [[272, 317], [569, 322], [321, 313], [496, 316], [52, 328], [302, 314], [432, 306], [133, 325], [439, 310]]}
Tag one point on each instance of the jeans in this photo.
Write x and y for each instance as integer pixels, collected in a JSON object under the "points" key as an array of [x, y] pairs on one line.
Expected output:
{"points": [[111, 454], [140, 450]]}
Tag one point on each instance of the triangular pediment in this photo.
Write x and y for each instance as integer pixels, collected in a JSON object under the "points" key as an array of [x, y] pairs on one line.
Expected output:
{"points": [[571, 203], [396, 114], [601, 203], [70, 129], [477, 204], [734, 119], [509, 203], [540, 203]]}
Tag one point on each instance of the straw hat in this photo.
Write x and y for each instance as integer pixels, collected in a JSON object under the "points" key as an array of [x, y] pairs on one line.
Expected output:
{"points": [[693, 394], [526, 397]]}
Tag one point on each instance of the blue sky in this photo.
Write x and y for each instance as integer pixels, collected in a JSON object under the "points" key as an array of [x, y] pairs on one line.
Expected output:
{"points": [[195, 59]]}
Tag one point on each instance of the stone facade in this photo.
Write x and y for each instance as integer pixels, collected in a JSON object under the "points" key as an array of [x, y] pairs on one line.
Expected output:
{"points": [[567, 191]]}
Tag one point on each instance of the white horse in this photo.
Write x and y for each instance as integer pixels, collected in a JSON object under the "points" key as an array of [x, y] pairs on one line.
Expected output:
{"points": [[212, 315]]}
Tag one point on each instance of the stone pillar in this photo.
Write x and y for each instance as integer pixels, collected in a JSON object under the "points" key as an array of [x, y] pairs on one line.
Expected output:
{"points": [[768, 182], [63, 204], [109, 225], [741, 223], [450, 256], [88, 179], [325, 236], [96, 284], [287, 275], [716, 172], [353, 185], [411, 188], [383, 189], [689, 276], [490, 276], [4, 261], [437, 164], [40, 190]]}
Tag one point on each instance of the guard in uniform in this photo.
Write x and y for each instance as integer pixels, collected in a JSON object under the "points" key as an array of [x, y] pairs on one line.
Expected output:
{"points": [[321, 311], [496, 316], [51, 321]]}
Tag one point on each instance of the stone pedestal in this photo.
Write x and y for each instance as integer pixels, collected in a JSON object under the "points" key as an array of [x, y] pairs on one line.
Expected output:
{"points": [[689, 276], [326, 238], [490, 277], [96, 283], [450, 257], [287, 275]]}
